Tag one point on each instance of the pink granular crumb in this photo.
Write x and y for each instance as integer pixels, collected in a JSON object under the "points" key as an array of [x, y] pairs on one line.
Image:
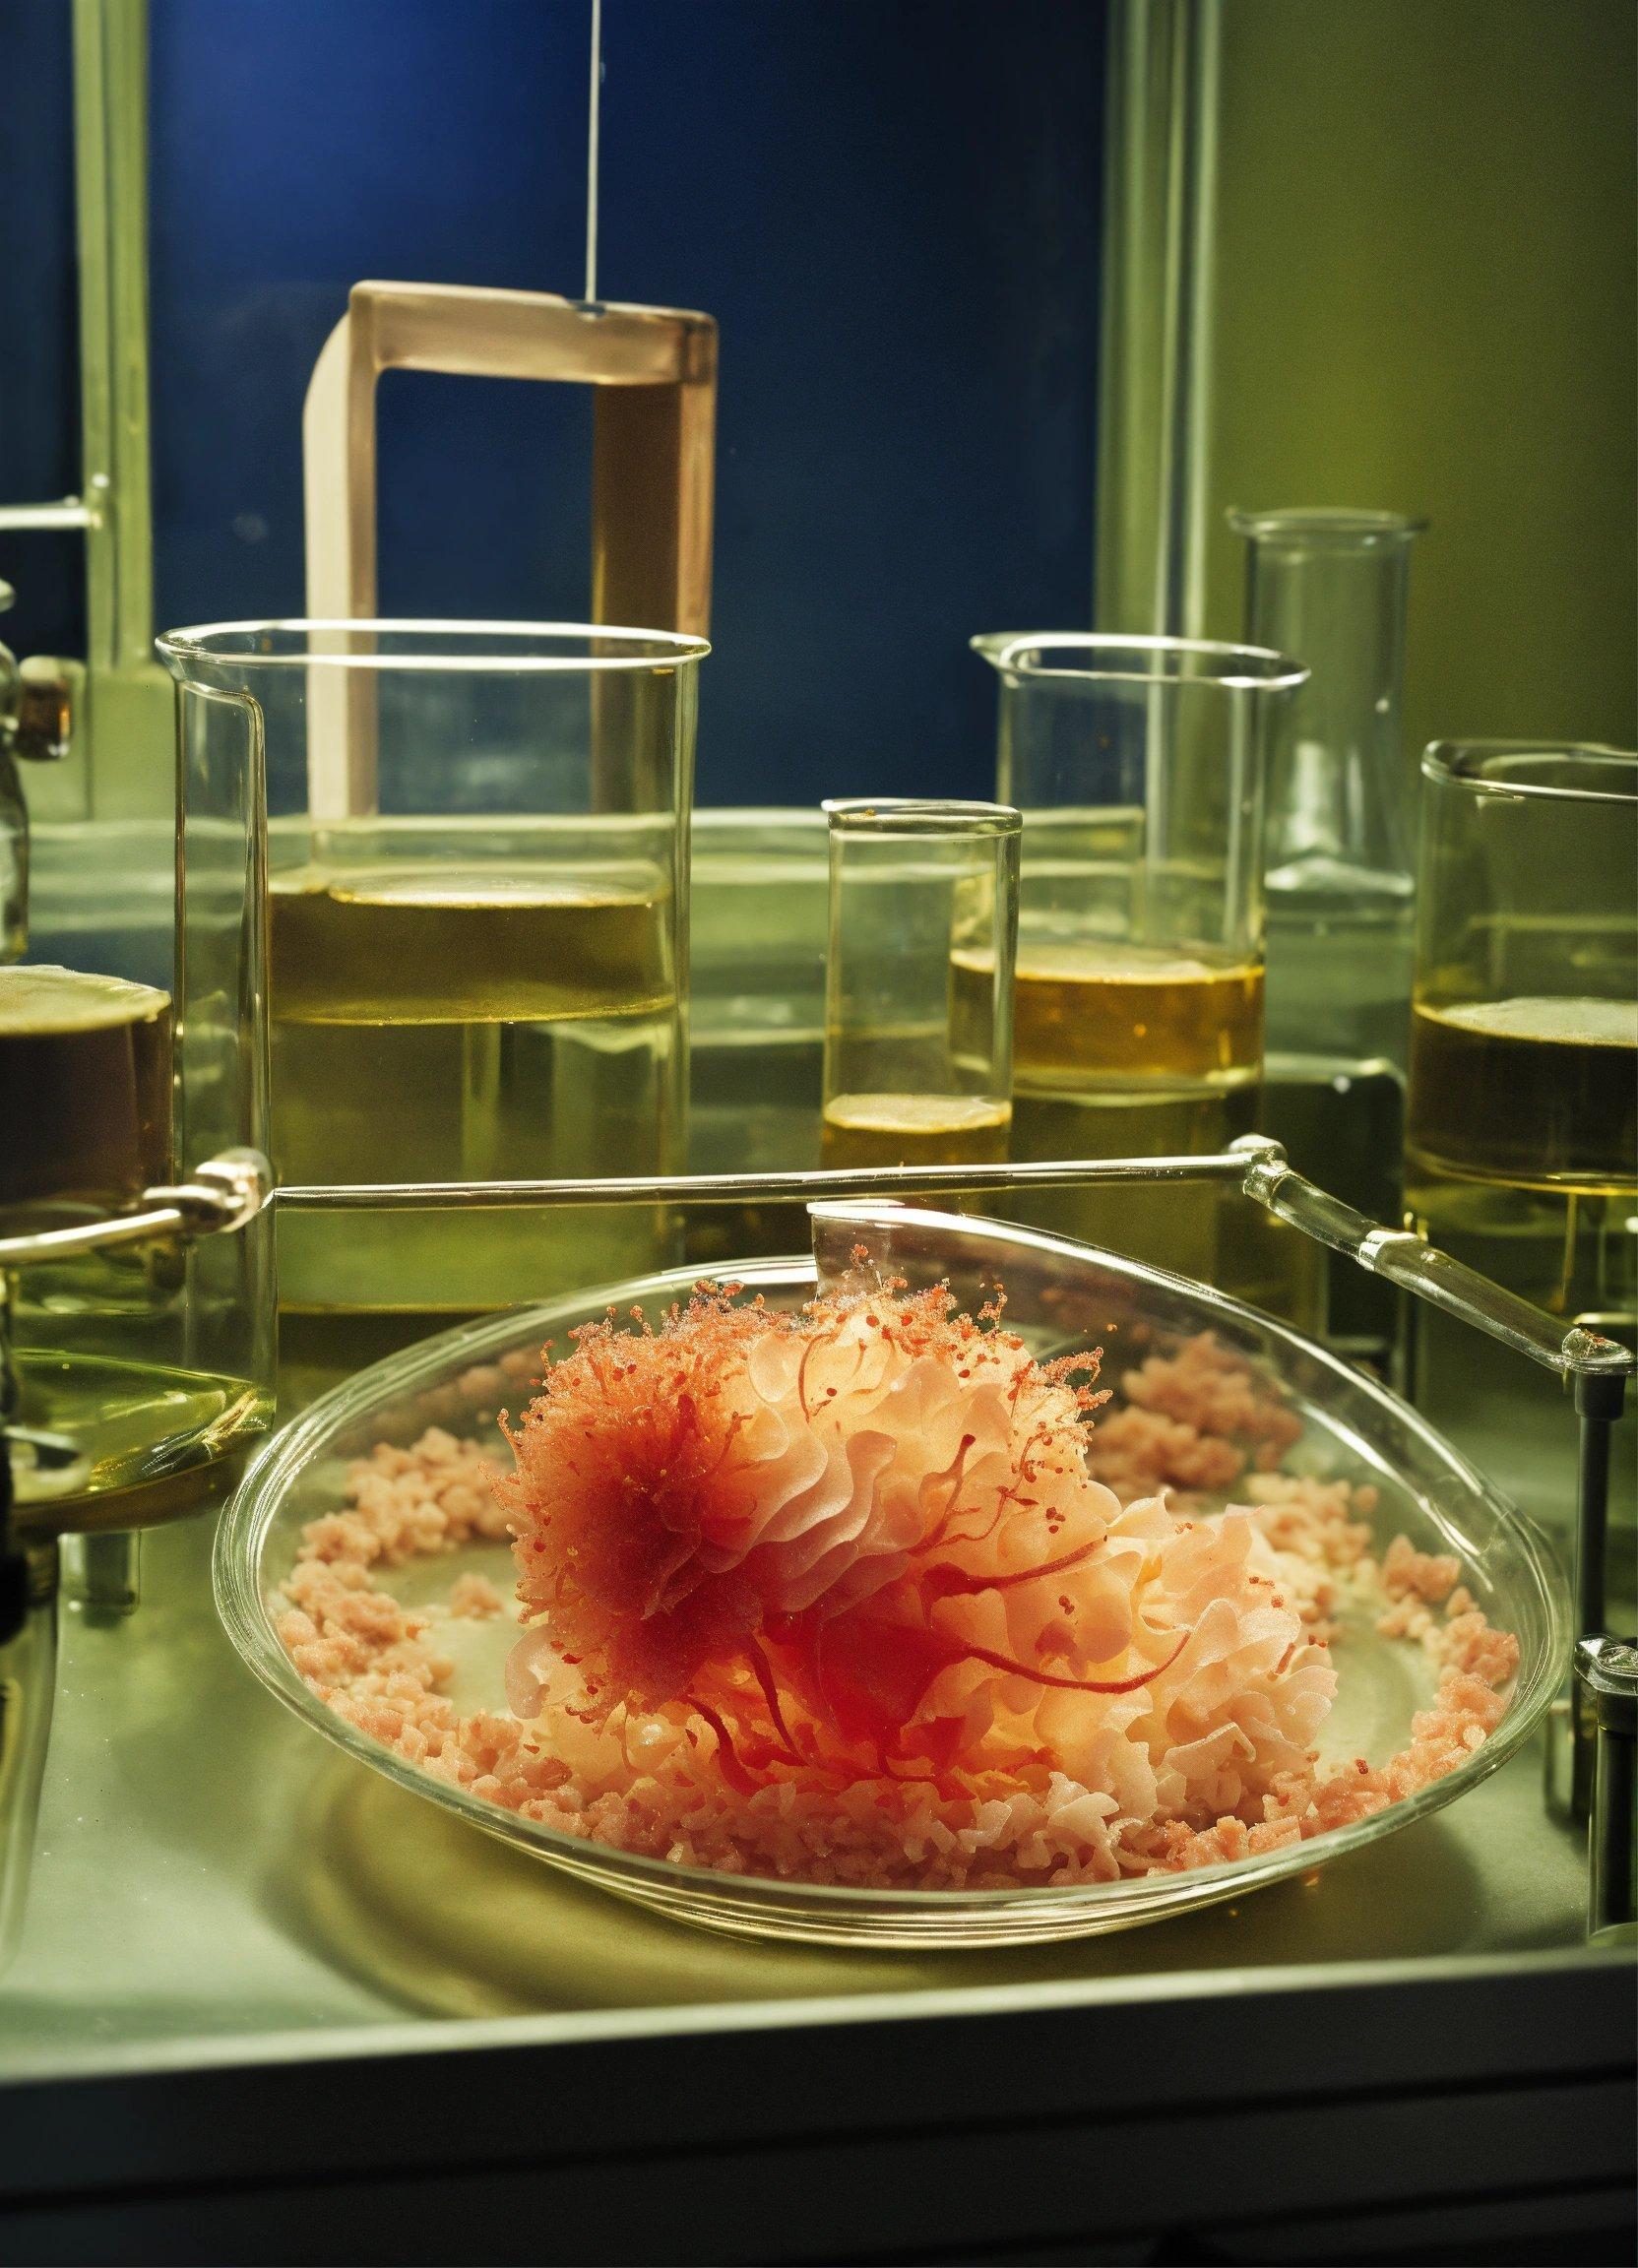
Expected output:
{"points": [[475, 1599], [1197, 1420], [1409, 1573], [1194, 1423]]}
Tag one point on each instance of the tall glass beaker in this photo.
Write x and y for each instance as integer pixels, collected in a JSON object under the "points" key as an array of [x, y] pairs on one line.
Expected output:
{"points": [[1332, 587], [1339, 881], [1522, 1140], [1139, 765], [476, 909], [918, 983]]}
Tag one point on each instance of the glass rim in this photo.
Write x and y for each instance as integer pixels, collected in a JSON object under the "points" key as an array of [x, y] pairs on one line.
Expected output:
{"points": [[1341, 526], [248, 1519], [921, 815], [1454, 762], [1232, 668], [210, 644]]}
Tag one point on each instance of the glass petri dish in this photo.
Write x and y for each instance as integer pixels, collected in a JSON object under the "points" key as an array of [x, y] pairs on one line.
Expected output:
{"points": [[1059, 1296]]}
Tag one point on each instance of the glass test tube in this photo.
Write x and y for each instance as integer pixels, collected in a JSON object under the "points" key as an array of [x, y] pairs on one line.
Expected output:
{"points": [[1522, 1114], [918, 984]]}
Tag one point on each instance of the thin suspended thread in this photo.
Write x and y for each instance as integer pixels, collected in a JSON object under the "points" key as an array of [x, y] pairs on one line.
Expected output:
{"points": [[594, 110]]}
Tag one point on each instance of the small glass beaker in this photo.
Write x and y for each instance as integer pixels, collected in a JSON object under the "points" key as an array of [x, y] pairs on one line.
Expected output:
{"points": [[1522, 1142], [476, 905], [1139, 765], [918, 983]]}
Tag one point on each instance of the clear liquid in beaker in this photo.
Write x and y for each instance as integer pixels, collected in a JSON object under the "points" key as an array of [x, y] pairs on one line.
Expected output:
{"points": [[447, 1023]]}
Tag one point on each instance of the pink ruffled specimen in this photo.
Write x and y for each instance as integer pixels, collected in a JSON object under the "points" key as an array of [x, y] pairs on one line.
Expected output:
{"points": [[862, 1543]]}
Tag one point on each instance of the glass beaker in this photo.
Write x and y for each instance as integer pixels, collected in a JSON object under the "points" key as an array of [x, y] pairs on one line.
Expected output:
{"points": [[1139, 765], [151, 1361], [1522, 1135], [477, 907], [1338, 865], [918, 983]]}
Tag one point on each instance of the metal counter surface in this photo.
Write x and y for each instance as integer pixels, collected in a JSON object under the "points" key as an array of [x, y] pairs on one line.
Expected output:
{"points": [[255, 1975], [208, 1873]]}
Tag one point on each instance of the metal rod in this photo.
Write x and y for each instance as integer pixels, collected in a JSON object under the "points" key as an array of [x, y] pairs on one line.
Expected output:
{"points": [[1409, 1261], [743, 1188], [92, 1236], [1253, 1163], [1599, 1404], [1592, 1498], [1610, 1888], [592, 120], [69, 512]]}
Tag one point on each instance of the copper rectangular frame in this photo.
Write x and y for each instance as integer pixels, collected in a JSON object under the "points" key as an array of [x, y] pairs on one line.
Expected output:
{"points": [[653, 467]]}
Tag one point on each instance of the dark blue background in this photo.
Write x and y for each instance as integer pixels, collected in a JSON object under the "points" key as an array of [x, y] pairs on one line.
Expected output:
{"points": [[890, 207], [40, 385]]}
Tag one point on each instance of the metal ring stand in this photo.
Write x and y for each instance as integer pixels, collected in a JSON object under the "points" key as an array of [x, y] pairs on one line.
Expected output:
{"points": [[231, 1190]]}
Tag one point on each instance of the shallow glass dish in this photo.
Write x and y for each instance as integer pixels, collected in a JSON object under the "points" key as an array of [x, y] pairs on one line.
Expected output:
{"points": [[1059, 1296]]}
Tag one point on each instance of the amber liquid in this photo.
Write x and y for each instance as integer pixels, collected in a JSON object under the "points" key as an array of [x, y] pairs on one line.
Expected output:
{"points": [[447, 1024], [1119, 1020], [1522, 1161], [1137, 1051], [84, 1127], [85, 1095], [1540, 1092], [860, 1130]]}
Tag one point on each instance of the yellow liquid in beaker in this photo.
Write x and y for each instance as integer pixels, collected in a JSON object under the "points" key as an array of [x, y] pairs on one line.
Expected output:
{"points": [[154, 1438], [1540, 1093], [447, 1024], [889, 1129]]}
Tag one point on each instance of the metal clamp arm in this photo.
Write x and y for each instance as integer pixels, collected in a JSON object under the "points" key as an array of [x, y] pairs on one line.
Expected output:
{"points": [[1420, 1268], [224, 1193]]}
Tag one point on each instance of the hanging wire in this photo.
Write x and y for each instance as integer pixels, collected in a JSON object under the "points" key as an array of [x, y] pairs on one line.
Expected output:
{"points": [[594, 109]]}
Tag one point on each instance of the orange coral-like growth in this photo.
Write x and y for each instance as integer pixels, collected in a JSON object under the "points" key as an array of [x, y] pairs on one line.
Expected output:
{"points": [[623, 1475]]}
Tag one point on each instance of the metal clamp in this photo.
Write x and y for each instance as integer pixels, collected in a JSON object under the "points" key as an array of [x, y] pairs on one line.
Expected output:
{"points": [[1605, 1702], [37, 701], [225, 1193]]}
